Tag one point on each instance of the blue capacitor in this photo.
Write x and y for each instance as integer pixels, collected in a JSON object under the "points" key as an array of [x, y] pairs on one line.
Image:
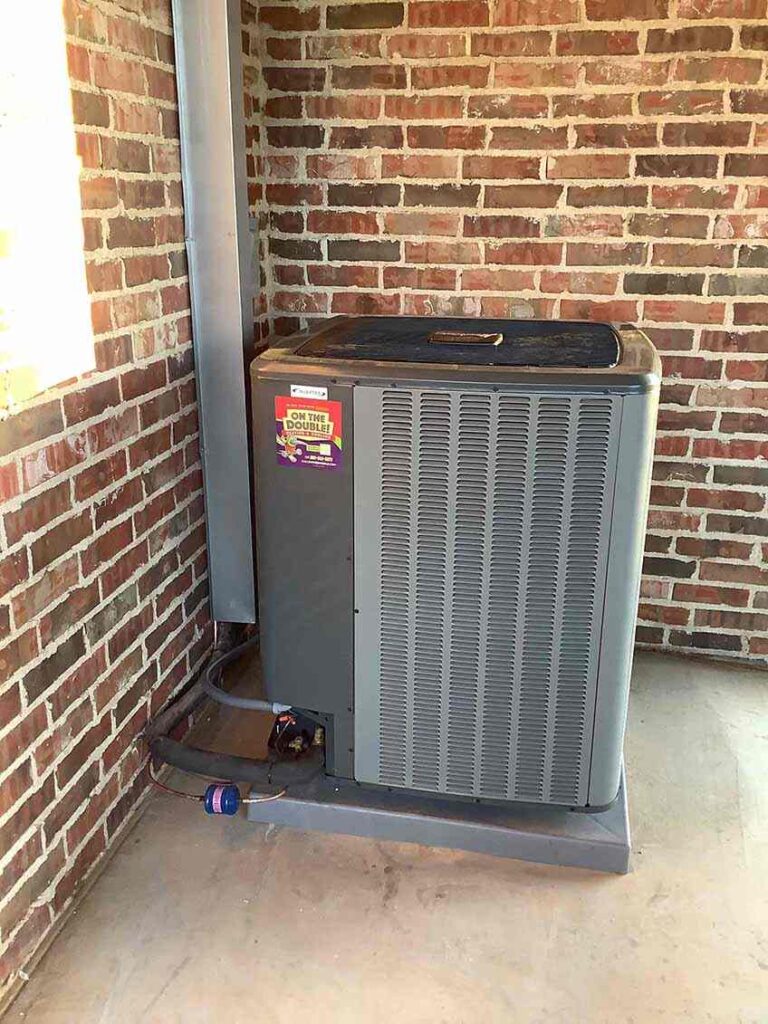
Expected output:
{"points": [[221, 799]]}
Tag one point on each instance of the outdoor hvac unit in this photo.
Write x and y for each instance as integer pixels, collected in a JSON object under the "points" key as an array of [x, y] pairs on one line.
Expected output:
{"points": [[450, 520]]}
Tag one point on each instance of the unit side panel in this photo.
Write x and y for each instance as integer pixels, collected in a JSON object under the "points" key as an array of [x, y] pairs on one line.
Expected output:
{"points": [[304, 520], [633, 482]]}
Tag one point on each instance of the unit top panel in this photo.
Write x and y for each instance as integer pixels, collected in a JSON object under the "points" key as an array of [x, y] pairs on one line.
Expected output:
{"points": [[466, 341]]}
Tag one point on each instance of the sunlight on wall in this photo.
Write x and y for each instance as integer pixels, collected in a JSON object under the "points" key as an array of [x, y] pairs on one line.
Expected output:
{"points": [[45, 328]]}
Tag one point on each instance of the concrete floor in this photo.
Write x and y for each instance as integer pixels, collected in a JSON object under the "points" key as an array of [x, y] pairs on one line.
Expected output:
{"points": [[217, 921]]}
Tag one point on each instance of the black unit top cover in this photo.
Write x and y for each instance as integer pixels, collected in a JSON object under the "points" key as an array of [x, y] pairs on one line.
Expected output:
{"points": [[465, 341]]}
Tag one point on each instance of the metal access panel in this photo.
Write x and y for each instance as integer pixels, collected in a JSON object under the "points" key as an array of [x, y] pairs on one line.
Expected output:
{"points": [[481, 532]]}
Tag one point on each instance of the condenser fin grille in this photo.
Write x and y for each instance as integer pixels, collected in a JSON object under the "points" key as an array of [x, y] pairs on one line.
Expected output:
{"points": [[481, 535]]}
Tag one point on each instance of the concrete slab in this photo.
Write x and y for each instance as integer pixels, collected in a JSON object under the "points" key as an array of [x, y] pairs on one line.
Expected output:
{"points": [[221, 921]]}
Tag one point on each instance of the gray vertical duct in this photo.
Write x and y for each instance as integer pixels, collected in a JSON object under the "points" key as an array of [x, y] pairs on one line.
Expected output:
{"points": [[210, 85]]}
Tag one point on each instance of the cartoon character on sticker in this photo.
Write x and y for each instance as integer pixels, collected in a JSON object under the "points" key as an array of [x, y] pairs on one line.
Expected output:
{"points": [[288, 446]]}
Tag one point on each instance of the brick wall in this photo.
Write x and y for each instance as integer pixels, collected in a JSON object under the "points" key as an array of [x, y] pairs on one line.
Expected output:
{"points": [[103, 581], [579, 159]]}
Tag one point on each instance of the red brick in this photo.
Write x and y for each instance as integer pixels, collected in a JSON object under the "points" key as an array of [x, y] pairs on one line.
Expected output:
{"points": [[538, 196], [161, 407], [751, 313], [669, 254], [721, 9], [707, 133], [128, 633], [501, 306], [616, 136], [91, 401], [679, 311], [362, 76], [343, 276], [49, 587], [117, 73], [37, 511], [113, 430], [500, 167], [666, 614], [296, 302], [78, 63], [525, 253], [98, 193], [143, 269], [329, 222], [143, 380], [100, 475], [104, 276], [512, 44], [25, 941], [71, 882], [497, 279], [739, 70], [422, 45], [287, 49], [596, 105], [29, 426], [450, 76], [419, 166], [131, 232], [285, 18], [535, 12], [499, 226], [160, 83], [445, 136], [123, 568], [448, 14], [354, 108], [79, 602], [611, 254], [421, 223], [616, 10], [133, 117], [342, 167], [419, 277], [366, 304], [60, 540], [579, 283], [745, 501], [713, 448], [106, 546], [596, 43], [728, 572], [587, 166], [685, 102], [695, 593], [442, 252], [590, 309], [536, 75], [507, 105], [131, 37]]}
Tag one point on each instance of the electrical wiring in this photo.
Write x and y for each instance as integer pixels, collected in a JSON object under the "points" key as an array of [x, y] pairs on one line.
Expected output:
{"points": [[200, 797], [170, 789], [263, 799]]}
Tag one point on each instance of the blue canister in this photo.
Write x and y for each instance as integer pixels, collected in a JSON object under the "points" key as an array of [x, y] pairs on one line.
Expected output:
{"points": [[221, 799]]}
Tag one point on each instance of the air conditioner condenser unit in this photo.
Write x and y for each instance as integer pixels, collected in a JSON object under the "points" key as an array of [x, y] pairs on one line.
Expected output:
{"points": [[450, 522]]}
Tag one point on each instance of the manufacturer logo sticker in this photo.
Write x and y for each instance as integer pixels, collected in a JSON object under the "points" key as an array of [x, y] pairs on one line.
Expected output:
{"points": [[308, 391], [308, 432]]}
